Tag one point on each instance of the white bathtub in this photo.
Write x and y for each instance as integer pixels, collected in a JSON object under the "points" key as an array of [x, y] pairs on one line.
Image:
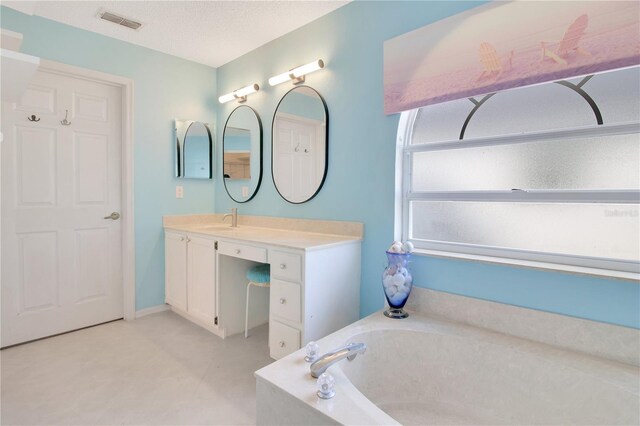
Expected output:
{"points": [[431, 371]]}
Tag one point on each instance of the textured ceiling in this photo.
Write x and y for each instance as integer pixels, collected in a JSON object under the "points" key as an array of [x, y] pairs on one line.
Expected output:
{"points": [[208, 32]]}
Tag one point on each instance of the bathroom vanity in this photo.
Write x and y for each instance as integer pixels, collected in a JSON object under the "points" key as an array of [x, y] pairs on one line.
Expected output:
{"points": [[315, 275]]}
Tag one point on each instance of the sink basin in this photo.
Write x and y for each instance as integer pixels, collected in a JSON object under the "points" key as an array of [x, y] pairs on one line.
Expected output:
{"points": [[215, 228]]}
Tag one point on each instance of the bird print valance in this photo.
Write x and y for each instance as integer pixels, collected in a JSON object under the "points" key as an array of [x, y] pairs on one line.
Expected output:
{"points": [[503, 45]]}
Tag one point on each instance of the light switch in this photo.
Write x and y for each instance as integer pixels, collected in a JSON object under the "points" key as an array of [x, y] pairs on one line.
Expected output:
{"points": [[179, 192], [245, 191]]}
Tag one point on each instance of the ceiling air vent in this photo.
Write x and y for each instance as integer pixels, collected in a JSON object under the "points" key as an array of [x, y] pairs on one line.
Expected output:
{"points": [[120, 20]]}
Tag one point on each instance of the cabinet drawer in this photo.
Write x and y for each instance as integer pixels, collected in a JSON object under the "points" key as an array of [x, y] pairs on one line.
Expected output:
{"points": [[283, 339], [243, 251], [285, 300], [202, 241], [287, 266]]}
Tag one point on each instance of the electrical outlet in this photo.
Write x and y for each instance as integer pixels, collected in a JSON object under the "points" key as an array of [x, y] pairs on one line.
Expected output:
{"points": [[179, 192], [245, 191]]}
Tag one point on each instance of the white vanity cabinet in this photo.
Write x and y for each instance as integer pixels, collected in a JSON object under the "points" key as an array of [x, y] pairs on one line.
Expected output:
{"points": [[313, 293], [315, 281], [190, 277]]}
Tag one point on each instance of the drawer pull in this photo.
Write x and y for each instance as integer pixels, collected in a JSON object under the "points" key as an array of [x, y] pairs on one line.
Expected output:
{"points": [[281, 343], [237, 251], [188, 239], [283, 266], [181, 238], [283, 300]]}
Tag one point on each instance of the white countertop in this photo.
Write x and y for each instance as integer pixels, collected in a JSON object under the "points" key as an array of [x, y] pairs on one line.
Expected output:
{"points": [[271, 236]]}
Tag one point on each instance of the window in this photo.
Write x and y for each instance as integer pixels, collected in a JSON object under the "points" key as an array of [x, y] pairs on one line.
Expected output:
{"points": [[547, 174]]}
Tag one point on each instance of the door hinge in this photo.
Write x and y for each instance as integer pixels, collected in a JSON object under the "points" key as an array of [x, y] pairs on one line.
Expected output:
{"points": [[215, 246], [215, 320]]}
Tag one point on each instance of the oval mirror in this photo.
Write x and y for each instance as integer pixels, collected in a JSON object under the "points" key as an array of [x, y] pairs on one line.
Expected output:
{"points": [[193, 150], [242, 154], [300, 144]]}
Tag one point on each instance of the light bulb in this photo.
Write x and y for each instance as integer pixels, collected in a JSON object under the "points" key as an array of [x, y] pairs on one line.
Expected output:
{"points": [[280, 78], [298, 72], [226, 98], [308, 68], [247, 90], [240, 93]]}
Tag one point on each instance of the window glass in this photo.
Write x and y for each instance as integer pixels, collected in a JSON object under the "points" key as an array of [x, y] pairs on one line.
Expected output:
{"points": [[544, 173], [594, 230], [581, 163]]}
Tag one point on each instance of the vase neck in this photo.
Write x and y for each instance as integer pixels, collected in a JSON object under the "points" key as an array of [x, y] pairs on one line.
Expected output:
{"points": [[396, 258]]}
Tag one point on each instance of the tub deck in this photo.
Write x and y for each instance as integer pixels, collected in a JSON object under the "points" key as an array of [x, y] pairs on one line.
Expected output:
{"points": [[429, 370]]}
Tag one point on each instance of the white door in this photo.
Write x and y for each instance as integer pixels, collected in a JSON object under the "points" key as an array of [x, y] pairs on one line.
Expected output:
{"points": [[61, 259]]}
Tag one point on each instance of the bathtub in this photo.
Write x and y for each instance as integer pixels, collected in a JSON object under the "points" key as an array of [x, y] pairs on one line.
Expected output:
{"points": [[425, 370]]}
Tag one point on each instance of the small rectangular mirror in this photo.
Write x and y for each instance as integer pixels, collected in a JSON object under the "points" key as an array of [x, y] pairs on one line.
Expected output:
{"points": [[194, 147]]}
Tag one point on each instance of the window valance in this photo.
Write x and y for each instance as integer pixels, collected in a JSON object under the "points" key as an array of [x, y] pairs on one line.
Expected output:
{"points": [[501, 45]]}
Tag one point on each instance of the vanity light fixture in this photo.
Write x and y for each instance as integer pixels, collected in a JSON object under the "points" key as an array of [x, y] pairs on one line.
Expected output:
{"points": [[240, 94], [296, 75]]}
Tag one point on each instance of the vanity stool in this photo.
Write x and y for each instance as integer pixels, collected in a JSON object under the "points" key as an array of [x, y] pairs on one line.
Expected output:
{"points": [[258, 276]]}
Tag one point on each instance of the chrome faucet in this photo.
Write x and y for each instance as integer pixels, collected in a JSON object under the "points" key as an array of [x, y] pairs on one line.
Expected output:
{"points": [[234, 217], [327, 360]]}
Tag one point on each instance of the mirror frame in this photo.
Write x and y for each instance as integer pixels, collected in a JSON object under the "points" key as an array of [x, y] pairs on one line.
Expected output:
{"points": [[326, 144], [181, 149], [255, 191]]}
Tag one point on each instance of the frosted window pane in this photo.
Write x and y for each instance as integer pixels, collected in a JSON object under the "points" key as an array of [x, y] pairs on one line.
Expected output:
{"points": [[595, 230], [595, 163], [616, 93], [533, 109], [440, 122]]}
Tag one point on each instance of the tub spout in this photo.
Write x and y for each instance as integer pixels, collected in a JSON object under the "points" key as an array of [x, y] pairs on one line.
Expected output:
{"points": [[327, 360]]}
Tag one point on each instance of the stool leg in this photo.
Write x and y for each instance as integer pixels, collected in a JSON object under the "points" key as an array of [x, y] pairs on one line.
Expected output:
{"points": [[246, 314]]}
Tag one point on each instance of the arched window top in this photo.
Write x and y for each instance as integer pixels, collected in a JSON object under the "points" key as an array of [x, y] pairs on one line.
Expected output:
{"points": [[608, 98]]}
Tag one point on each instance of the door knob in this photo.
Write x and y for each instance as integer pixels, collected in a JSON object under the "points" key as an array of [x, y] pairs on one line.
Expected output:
{"points": [[113, 216]]}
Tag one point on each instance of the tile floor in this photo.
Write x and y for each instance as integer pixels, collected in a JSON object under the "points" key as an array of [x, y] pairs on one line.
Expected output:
{"points": [[159, 369]]}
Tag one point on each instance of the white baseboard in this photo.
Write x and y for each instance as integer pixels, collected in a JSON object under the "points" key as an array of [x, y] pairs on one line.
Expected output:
{"points": [[152, 310]]}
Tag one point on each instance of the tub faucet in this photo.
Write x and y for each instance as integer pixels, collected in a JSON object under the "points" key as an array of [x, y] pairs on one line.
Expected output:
{"points": [[234, 217], [327, 360]]}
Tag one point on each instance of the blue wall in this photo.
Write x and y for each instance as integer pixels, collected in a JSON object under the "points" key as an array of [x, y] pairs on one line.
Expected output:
{"points": [[360, 179], [165, 87]]}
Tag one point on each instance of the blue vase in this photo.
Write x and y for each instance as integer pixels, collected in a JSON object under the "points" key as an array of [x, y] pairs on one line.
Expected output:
{"points": [[397, 283]]}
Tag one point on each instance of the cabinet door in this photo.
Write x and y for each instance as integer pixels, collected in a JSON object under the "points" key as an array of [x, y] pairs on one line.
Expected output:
{"points": [[175, 260], [201, 279]]}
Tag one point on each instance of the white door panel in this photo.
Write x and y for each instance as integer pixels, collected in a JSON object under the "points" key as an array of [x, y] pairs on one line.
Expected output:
{"points": [[61, 260], [35, 163], [37, 267], [201, 273], [300, 152], [175, 270], [38, 100]]}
